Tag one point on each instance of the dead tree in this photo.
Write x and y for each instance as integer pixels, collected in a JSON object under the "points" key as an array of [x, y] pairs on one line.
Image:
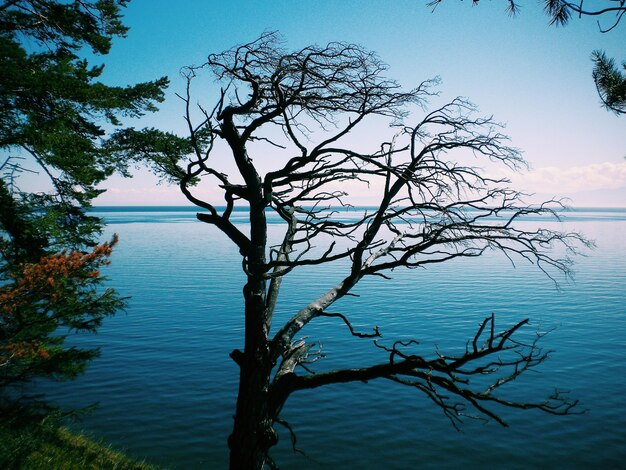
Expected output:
{"points": [[283, 119]]}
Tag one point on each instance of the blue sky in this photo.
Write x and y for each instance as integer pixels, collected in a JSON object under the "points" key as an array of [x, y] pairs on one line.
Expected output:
{"points": [[534, 77]]}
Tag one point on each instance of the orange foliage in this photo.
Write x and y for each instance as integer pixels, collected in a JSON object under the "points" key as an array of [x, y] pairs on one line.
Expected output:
{"points": [[23, 350], [45, 279], [42, 285]]}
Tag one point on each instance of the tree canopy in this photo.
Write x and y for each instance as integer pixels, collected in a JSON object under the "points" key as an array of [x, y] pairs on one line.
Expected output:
{"points": [[53, 113]]}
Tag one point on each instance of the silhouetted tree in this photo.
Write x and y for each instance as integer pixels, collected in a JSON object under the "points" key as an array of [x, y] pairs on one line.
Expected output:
{"points": [[609, 79], [53, 111], [283, 119]]}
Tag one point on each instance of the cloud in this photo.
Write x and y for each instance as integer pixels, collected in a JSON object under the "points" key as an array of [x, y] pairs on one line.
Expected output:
{"points": [[140, 195], [577, 182], [154, 195], [593, 177], [545, 182]]}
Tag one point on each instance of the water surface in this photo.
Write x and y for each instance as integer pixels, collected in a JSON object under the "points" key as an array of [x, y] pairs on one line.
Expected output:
{"points": [[166, 387]]}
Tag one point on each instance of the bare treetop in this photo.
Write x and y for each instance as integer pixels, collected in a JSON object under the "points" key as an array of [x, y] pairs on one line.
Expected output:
{"points": [[319, 82]]}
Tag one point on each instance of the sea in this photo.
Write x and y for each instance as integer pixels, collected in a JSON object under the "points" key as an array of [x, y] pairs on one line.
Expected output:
{"points": [[164, 387]]}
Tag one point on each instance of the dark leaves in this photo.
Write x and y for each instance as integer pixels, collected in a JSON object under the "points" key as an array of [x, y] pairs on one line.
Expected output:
{"points": [[610, 81], [163, 152]]}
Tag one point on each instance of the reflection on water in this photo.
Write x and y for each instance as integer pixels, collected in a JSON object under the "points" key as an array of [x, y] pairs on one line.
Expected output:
{"points": [[166, 386]]}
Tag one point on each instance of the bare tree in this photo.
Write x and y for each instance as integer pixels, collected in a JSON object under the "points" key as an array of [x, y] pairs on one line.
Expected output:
{"points": [[294, 112]]}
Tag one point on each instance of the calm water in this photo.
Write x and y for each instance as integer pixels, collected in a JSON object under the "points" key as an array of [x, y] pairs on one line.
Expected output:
{"points": [[166, 387]]}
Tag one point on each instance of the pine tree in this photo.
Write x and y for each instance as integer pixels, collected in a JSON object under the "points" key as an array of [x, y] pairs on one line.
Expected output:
{"points": [[53, 114]]}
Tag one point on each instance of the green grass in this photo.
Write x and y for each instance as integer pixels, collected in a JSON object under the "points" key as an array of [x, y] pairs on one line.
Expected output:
{"points": [[41, 447]]}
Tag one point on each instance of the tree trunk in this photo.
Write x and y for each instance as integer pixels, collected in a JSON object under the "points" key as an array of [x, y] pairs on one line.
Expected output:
{"points": [[253, 434]]}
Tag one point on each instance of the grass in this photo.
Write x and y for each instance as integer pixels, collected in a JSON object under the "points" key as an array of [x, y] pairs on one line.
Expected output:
{"points": [[45, 447]]}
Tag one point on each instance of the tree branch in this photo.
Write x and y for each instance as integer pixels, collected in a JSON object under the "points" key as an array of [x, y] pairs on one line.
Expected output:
{"points": [[445, 375]]}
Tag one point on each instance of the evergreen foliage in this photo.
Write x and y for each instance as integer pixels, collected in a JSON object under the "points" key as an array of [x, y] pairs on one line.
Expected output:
{"points": [[610, 81], [54, 113]]}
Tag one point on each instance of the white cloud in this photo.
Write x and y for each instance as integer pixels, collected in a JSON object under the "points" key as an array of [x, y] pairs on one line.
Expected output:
{"points": [[584, 184], [140, 195], [558, 180]]}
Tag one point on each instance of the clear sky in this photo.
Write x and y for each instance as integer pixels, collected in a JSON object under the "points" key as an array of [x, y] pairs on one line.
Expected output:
{"points": [[534, 77]]}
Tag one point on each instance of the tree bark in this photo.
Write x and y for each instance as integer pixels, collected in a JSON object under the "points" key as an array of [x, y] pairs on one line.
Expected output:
{"points": [[253, 434]]}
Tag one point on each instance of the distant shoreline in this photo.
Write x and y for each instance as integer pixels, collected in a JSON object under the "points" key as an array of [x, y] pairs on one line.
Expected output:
{"points": [[190, 208]]}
